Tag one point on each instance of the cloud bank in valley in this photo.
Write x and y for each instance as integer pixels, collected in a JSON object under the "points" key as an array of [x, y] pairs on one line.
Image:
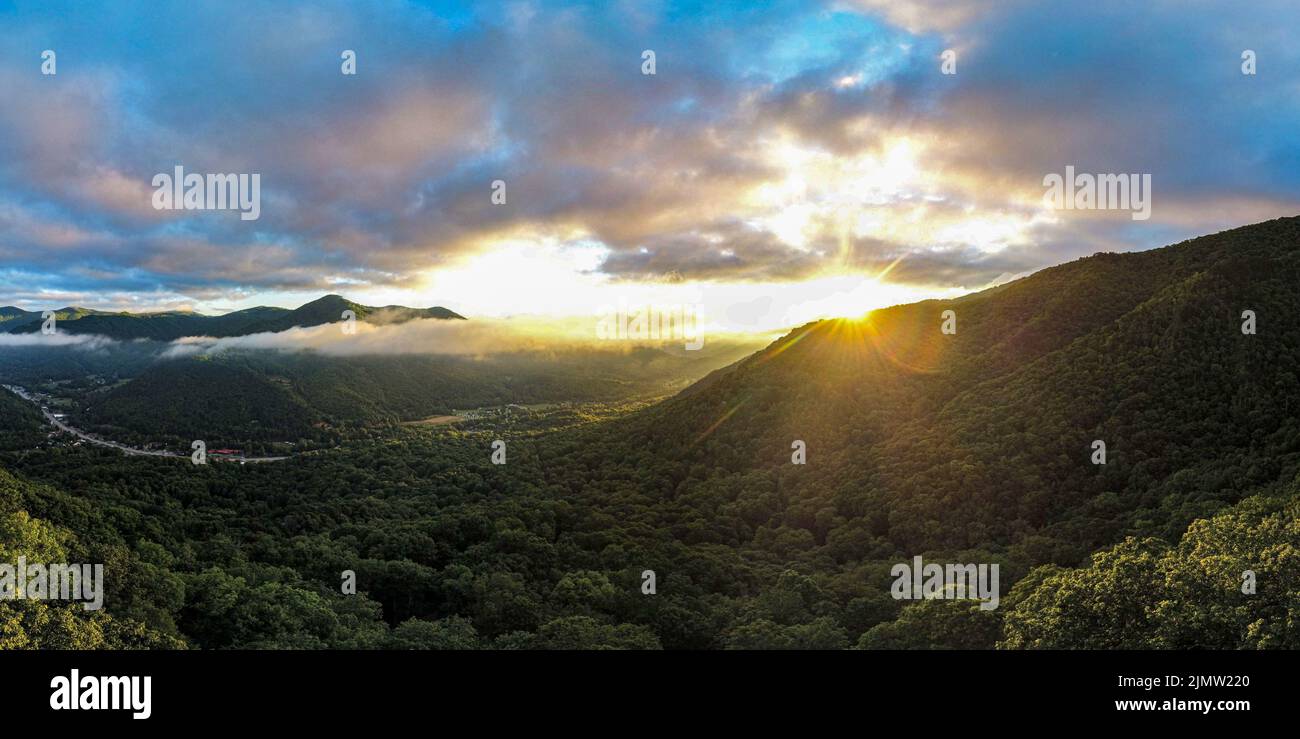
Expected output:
{"points": [[57, 339], [482, 337]]}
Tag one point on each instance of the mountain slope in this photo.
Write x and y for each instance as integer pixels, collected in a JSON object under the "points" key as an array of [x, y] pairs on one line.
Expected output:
{"points": [[978, 446], [21, 424]]}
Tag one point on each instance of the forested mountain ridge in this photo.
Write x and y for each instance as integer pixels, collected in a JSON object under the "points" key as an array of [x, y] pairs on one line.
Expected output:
{"points": [[980, 442], [172, 325], [1143, 351]]}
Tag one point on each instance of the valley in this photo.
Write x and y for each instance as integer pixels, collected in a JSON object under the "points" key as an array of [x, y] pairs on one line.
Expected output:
{"points": [[974, 447]]}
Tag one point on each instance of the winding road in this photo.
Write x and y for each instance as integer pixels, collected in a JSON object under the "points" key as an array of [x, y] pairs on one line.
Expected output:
{"points": [[60, 425]]}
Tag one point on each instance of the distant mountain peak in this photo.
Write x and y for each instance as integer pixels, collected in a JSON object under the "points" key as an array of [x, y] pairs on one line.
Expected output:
{"points": [[172, 325]]}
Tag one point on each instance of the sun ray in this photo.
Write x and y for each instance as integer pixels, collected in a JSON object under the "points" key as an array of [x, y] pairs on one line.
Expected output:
{"points": [[718, 422]]}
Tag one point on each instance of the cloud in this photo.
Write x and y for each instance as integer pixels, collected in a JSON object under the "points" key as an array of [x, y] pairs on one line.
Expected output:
{"points": [[479, 337], [765, 148], [923, 16], [88, 342]]}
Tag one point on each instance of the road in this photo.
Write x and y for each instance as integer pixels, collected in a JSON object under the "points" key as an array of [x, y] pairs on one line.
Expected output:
{"points": [[60, 425]]}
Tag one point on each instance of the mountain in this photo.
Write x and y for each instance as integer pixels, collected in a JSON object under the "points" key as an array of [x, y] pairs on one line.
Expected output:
{"points": [[11, 318], [171, 325], [330, 308], [976, 446]]}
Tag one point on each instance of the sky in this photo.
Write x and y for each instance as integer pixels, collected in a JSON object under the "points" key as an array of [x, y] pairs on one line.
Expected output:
{"points": [[786, 161]]}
